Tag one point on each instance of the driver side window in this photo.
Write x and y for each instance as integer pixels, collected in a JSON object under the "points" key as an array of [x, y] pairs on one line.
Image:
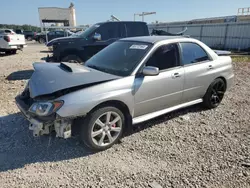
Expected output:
{"points": [[165, 57]]}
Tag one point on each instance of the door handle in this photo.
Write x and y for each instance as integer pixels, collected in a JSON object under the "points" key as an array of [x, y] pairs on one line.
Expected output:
{"points": [[176, 75], [210, 67]]}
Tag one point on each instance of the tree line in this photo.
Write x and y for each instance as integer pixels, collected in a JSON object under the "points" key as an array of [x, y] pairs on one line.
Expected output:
{"points": [[23, 27]]}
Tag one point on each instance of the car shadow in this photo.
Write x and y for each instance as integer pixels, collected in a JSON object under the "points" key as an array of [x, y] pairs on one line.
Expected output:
{"points": [[18, 147], [5, 55], [20, 75], [164, 118], [43, 58], [45, 51]]}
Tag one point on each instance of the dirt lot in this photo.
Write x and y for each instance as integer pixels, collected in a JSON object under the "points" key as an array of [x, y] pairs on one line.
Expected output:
{"points": [[188, 148]]}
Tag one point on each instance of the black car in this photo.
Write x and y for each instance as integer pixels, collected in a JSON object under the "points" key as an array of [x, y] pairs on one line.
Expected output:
{"points": [[79, 48], [52, 35]]}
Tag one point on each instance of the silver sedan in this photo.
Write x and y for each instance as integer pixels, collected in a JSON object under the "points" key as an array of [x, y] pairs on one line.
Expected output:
{"points": [[128, 82]]}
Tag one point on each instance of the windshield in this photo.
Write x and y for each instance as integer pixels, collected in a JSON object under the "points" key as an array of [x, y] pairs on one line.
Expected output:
{"points": [[119, 58], [88, 31]]}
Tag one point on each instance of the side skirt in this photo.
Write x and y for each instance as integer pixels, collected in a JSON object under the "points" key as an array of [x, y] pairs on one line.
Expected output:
{"points": [[164, 111]]}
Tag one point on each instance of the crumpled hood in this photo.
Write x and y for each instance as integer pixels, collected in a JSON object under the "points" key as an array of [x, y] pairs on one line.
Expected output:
{"points": [[52, 77]]}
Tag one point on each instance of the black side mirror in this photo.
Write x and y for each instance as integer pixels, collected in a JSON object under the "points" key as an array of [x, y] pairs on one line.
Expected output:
{"points": [[97, 37]]}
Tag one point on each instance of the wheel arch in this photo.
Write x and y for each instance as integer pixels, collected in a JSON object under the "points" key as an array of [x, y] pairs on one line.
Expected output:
{"points": [[224, 79], [68, 52], [121, 106]]}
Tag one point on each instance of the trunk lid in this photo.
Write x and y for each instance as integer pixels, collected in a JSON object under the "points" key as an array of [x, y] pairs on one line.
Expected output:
{"points": [[16, 39]]}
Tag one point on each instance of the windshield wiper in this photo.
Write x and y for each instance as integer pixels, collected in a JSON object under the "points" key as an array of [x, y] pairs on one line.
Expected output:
{"points": [[95, 67], [100, 69]]}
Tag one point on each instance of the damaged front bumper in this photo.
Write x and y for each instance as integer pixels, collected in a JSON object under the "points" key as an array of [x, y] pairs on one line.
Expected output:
{"points": [[40, 126]]}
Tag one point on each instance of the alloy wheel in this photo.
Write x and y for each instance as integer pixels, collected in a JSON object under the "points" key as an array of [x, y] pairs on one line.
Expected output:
{"points": [[218, 91], [106, 128]]}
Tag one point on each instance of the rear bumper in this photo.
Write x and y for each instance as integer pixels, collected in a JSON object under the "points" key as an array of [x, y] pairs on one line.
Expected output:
{"points": [[13, 47], [18, 46]]}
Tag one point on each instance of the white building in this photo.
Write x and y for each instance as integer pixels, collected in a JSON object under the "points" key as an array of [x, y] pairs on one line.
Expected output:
{"points": [[59, 16]]}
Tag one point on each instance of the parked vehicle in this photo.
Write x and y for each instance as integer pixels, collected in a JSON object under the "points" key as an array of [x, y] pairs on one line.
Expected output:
{"points": [[165, 33], [7, 31], [79, 49], [10, 42], [29, 35], [131, 81], [19, 31], [50, 43], [41, 38]]}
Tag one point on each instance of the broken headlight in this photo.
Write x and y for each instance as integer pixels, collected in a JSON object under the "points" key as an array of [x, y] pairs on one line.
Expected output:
{"points": [[45, 108]]}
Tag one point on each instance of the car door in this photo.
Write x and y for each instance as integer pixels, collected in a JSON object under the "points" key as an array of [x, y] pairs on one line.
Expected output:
{"points": [[199, 70], [153, 93], [109, 32]]}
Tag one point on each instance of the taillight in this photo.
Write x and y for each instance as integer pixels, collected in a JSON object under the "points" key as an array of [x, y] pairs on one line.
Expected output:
{"points": [[6, 38]]}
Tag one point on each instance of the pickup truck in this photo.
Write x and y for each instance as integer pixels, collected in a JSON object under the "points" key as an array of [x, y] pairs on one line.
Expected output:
{"points": [[29, 35], [10, 42], [79, 48], [41, 38]]}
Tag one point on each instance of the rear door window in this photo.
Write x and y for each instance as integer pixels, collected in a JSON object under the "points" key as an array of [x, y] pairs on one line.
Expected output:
{"points": [[136, 29], [192, 53], [7, 31]]}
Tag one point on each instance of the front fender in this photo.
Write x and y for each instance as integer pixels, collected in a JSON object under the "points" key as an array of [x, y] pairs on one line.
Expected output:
{"points": [[80, 102]]}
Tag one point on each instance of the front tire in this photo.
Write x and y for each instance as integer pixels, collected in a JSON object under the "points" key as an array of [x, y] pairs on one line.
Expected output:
{"points": [[72, 59], [214, 94], [102, 128]]}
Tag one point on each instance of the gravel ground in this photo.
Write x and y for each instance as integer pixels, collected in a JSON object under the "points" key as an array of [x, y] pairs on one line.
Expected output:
{"points": [[187, 148]]}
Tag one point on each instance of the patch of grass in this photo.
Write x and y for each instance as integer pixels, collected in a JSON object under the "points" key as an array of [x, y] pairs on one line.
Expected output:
{"points": [[240, 58]]}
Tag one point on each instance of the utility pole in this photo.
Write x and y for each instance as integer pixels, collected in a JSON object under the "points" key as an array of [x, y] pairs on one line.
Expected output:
{"points": [[136, 15], [144, 14]]}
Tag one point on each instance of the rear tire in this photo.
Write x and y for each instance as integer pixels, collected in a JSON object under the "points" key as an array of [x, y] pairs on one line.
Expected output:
{"points": [[9, 52], [102, 128], [214, 94], [29, 38], [72, 59], [41, 41], [13, 51]]}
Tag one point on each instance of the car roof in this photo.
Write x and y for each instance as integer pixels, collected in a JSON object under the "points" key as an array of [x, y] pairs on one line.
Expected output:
{"points": [[152, 39], [135, 22]]}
